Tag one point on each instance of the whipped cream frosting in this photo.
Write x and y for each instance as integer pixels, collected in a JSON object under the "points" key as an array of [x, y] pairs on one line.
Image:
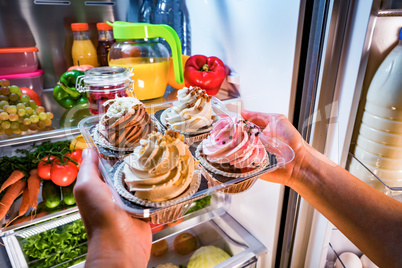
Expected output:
{"points": [[234, 141], [160, 169], [125, 122], [192, 110]]}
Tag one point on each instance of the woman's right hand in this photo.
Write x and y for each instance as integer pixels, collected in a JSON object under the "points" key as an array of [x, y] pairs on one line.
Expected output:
{"points": [[278, 126]]}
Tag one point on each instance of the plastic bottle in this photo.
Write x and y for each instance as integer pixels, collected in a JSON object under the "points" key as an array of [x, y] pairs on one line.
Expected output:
{"points": [[379, 144], [83, 50], [146, 13], [174, 13], [105, 42]]}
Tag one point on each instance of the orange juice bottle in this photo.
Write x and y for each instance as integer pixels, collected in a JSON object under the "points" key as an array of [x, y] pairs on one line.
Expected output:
{"points": [[83, 51]]}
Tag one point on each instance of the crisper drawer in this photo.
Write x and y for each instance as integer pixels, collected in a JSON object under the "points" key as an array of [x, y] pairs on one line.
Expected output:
{"points": [[218, 229]]}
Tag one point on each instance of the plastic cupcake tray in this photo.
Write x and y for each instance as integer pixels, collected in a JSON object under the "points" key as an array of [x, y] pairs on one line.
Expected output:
{"points": [[279, 154]]}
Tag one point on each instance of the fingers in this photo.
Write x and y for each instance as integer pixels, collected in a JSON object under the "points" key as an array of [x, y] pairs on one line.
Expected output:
{"points": [[260, 119]]}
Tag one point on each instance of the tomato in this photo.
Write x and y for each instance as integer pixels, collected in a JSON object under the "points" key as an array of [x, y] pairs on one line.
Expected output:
{"points": [[44, 169], [171, 80], [63, 175], [76, 155], [32, 94], [156, 227]]}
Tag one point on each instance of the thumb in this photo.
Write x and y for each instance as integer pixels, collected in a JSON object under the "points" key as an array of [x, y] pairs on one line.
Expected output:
{"points": [[260, 119]]}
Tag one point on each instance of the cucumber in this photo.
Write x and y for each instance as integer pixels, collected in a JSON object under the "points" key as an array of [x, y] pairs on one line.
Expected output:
{"points": [[68, 195], [51, 194]]}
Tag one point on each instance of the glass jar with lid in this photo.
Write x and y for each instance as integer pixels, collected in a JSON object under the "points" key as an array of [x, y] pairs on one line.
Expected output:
{"points": [[105, 83]]}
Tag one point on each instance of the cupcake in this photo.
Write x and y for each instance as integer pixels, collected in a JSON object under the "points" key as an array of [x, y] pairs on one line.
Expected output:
{"points": [[192, 113], [233, 148], [160, 169], [124, 124]]}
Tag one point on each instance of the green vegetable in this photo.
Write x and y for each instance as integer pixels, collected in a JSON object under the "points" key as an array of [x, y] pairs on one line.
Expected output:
{"points": [[65, 92], [68, 195], [51, 194], [206, 257], [199, 204], [66, 245]]}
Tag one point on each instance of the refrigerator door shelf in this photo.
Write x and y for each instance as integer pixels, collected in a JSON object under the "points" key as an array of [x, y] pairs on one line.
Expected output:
{"points": [[369, 175]]}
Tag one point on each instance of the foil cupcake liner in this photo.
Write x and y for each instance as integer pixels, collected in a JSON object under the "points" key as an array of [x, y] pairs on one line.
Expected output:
{"points": [[204, 162], [119, 185], [239, 187], [185, 133]]}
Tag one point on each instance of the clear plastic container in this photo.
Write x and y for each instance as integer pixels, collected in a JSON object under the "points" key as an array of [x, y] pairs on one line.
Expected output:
{"points": [[33, 80], [105, 83], [279, 153], [14, 60]]}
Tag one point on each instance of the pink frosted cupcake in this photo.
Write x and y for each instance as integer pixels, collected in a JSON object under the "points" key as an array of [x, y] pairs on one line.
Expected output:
{"points": [[233, 148]]}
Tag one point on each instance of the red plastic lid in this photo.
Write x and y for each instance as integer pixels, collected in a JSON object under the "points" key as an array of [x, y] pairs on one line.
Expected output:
{"points": [[103, 26], [79, 27], [21, 75], [18, 49]]}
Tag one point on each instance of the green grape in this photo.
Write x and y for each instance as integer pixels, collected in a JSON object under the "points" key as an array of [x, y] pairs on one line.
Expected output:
{"points": [[42, 116], [21, 112], [40, 109], [20, 119], [12, 109], [20, 106], [5, 107], [33, 104], [2, 103], [4, 116], [5, 124], [25, 98], [2, 132], [19, 92], [29, 110], [14, 89], [17, 131], [24, 127], [26, 104], [26, 121], [13, 97], [3, 98], [15, 125], [33, 126], [9, 131], [13, 117], [34, 118], [41, 125], [48, 122], [5, 91], [50, 115]]}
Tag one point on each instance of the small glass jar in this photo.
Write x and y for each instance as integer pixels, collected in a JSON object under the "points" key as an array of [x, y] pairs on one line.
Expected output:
{"points": [[105, 83]]}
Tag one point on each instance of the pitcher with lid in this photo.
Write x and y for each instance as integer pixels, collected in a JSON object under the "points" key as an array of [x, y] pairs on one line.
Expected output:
{"points": [[138, 47]]}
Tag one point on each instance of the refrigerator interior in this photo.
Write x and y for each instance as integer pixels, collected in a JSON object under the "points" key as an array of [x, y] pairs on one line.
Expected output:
{"points": [[258, 40], [371, 33]]}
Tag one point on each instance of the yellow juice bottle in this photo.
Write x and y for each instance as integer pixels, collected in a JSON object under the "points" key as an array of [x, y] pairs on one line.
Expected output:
{"points": [[83, 50]]}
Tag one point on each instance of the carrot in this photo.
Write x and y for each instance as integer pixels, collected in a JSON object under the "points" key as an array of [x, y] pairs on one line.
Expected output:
{"points": [[34, 188], [25, 204], [14, 177], [12, 193]]}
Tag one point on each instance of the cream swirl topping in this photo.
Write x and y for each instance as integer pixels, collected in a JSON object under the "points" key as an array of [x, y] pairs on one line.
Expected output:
{"points": [[192, 110], [235, 141], [160, 169]]}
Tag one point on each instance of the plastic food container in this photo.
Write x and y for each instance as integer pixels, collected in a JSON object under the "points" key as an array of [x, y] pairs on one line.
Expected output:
{"points": [[33, 80], [104, 83], [280, 154], [16, 60]]}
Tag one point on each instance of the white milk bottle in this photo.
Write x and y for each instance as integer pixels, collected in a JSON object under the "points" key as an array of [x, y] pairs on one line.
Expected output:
{"points": [[379, 144]]}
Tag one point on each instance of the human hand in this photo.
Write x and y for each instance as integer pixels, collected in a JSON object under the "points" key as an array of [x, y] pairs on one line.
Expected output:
{"points": [[278, 126], [114, 238]]}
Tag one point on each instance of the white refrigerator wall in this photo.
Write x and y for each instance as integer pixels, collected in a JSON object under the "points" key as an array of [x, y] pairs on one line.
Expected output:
{"points": [[257, 40]]}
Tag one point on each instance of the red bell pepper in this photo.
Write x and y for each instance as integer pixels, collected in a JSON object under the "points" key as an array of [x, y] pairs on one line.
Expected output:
{"points": [[205, 72]]}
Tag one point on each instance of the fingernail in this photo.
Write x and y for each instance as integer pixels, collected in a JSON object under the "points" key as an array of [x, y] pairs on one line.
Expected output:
{"points": [[86, 152]]}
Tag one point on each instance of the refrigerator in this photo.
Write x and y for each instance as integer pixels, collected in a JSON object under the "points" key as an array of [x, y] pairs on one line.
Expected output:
{"points": [[308, 60]]}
